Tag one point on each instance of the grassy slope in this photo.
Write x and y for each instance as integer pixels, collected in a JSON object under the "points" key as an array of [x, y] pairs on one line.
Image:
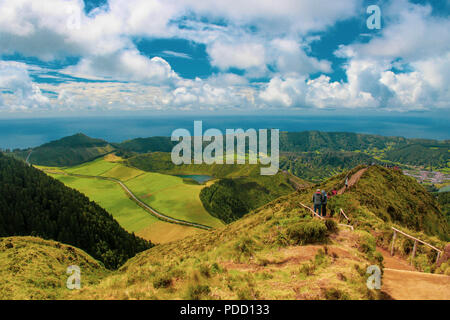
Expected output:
{"points": [[230, 199], [32, 268], [167, 194], [112, 198], [383, 198], [69, 151], [276, 252], [253, 258], [171, 196], [391, 197], [161, 162]]}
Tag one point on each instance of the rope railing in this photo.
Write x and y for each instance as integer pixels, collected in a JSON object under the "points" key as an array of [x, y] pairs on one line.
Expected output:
{"points": [[415, 244], [343, 213], [312, 211]]}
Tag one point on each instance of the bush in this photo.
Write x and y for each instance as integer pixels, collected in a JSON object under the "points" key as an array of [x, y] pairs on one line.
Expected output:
{"points": [[162, 282], [205, 270], [331, 225], [197, 292], [367, 243], [307, 232], [335, 294], [307, 269], [245, 246]]}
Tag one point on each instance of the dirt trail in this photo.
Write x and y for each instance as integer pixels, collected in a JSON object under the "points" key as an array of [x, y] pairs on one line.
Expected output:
{"points": [[402, 282], [353, 179]]}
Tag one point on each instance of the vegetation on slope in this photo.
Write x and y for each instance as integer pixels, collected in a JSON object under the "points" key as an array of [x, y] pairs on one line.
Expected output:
{"points": [[314, 166], [383, 198], [429, 155], [277, 252], [32, 203], [146, 145], [68, 151], [162, 162], [167, 194], [443, 199], [229, 199], [307, 141], [33, 268]]}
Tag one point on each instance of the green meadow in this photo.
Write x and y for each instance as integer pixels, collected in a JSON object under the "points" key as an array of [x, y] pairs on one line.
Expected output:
{"points": [[165, 193], [111, 197], [172, 197]]}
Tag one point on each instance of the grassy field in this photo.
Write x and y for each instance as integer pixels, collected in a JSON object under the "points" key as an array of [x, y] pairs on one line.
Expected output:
{"points": [[171, 196], [167, 194], [111, 197]]}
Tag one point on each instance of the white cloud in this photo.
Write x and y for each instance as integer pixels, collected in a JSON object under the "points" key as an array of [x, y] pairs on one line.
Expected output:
{"points": [[289, 92], [127, 65], [291, 57], [19, 92], [258, 36], [241, 55]]}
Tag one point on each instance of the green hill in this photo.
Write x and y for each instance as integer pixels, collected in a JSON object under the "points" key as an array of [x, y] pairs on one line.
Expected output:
{"points": [[33, 268], [32, 203], [146, 145], [161, 162], [277, 251], [315, 166], [68, 151], [433, 155], [229, 199], [387, 195]]}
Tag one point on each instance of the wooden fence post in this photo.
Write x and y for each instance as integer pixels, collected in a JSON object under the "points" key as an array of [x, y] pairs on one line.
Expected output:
{"points": [[393, 241], [414, 251]]}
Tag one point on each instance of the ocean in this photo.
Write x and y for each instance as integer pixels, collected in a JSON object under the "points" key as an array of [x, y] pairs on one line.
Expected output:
{"points": [[24, 133]]}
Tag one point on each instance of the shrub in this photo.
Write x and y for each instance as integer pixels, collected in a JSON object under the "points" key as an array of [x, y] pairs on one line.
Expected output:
{"points": [[205, 270], [320, 258], [335, 294], [307, 269], [307, 232], [367, 243], [197, 292], [245, 246], [331, 225], [162, 282]]}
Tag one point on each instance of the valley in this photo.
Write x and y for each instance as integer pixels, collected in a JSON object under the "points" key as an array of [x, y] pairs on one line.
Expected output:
{"points": [[239, 235], [167, 194]]}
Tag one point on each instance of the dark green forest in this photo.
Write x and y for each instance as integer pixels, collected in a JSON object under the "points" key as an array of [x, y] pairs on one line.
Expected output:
{"points": [[230, 199], [316, 167], [32, 203]]}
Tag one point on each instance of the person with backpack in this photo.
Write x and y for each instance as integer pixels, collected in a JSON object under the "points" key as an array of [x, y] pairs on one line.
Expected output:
{"points": [[346, 183], [317, 201], [324, 203]]}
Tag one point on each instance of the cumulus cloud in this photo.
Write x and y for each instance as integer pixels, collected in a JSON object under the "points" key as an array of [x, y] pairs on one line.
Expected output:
{"points": [[406, 66], [19, 92], [127, 65], [241, 55]]}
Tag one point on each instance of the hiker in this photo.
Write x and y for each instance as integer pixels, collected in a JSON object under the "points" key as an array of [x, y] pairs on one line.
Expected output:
{"points": [[334, 192], [324, 203], [317, 201], [346, 183]]}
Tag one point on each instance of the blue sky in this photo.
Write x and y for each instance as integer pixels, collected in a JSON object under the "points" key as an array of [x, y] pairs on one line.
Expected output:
{"points": [[71, 57]]}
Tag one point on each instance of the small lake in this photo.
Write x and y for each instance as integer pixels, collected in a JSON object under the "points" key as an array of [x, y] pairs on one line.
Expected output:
{"points": [[197, 177]]}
